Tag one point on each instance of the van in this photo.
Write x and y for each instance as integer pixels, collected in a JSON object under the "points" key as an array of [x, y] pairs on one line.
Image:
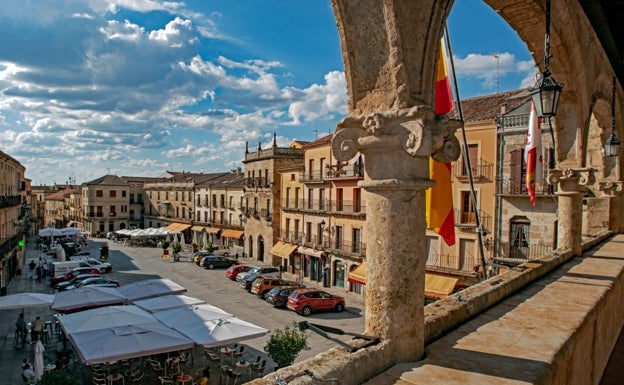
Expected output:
{"points": [[103, 267], [62, 268]]}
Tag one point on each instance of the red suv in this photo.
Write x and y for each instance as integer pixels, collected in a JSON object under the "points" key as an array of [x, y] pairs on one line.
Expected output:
{"points": [[306, 301], [233, 271], [73, 273]]}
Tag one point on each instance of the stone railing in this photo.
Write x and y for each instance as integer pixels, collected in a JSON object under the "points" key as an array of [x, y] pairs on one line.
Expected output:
{"points": [[440, 317]]}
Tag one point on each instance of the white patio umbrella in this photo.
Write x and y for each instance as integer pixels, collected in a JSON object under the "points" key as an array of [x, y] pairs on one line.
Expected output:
{"points": [[114, 343], [103, 317], [39, 349], [86, 297], [150, 288], [25, 300], [222, 331], [190, 315], [166, 302]]}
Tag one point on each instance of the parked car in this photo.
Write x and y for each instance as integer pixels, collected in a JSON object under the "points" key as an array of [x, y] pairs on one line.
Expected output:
{"points": [[72, 273], [307, 301], [262, 285], [61, 286], [278, 296], [233, 271], [248, 281], [257, 270], [198, 255], [213, 261], [96, 281], [104, 267], [83, 253]]}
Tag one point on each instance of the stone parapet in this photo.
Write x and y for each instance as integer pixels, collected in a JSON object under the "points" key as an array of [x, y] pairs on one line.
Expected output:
{"points": [[373, 365]]}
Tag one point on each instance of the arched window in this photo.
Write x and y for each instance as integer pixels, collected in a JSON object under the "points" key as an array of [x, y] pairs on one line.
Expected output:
{"points": [[519, 237]]}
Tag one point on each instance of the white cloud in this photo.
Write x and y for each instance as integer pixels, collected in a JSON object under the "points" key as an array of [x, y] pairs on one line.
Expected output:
{"points": [[487, 68]]}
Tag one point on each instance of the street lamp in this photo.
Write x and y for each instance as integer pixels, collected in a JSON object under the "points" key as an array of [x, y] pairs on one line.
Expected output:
{"points": [[612, 144], [545, 94]]}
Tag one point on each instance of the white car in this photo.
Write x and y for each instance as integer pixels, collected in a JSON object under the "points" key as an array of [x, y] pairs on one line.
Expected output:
{"points": [[103, 267]]}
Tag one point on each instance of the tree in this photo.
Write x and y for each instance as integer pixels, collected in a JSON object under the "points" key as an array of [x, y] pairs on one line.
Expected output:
{"points": [[285, 344], [177, 247]]}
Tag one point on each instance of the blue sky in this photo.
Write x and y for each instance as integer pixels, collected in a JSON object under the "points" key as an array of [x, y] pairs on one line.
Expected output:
{"points": [[141, 87]]}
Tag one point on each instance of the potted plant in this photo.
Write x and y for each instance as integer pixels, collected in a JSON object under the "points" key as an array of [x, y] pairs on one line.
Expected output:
{"points": [[195, 247], [285, 344], [176, 247], [165, 246]]}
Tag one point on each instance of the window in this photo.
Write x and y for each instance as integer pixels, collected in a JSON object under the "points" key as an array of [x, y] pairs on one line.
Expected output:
{"points": [[517, 173], [297, 229], [357, 241], [310, 168], [339, 199], [473, 156], [99, 193], [322, 199], [519, 237], [467, 209], [357, 200], [308, 232], [339, 237], [131, 198], [287, 229], [288, 204], [123, 193], [310, 199]]}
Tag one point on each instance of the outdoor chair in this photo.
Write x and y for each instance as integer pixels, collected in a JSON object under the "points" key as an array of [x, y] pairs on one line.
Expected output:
{"points": [[136, 376], [259, 369], [239, 353], [212, 357], [166, 380], [233, 374], [224, 372], [155, 366], [99, 381]]}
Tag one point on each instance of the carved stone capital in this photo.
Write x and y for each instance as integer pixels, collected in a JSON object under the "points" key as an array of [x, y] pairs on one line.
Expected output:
{"points": [[571, 180], [611, 188], [417, 131]]}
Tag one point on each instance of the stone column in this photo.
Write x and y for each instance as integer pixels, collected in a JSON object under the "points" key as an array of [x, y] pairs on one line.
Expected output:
{"points": [[571, 186], [396, 148]]}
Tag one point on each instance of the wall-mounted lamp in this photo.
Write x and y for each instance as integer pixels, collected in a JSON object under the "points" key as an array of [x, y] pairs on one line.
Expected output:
{"points": [[612, 144], [546, 92]]}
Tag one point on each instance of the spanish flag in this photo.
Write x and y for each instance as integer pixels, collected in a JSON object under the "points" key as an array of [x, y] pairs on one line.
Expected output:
{"points": [[439, 198]]}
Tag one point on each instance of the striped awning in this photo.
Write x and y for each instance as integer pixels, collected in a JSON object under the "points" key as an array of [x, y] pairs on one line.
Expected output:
{"points": [[236, 234], [358, 275]]}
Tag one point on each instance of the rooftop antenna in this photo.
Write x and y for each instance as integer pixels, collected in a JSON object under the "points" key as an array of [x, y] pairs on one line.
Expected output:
{"points": [[315, 131], [497, 59]]}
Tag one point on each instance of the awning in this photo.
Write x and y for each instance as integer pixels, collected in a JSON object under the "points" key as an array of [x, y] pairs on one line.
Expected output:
{"points": [[236, 234], [310, 251], [179, 227], [212, 230], [198, 228], [358, 275], [439, 286], [283, 250]]}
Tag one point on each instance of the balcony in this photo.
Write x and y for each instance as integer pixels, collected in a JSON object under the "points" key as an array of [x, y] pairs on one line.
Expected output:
{"points": [[348, 171], [517, 187], [508, 254], [307, 176], [257, 182], [347, 207], [9, 201], [468, 219], [451, 263], [482, 170]]}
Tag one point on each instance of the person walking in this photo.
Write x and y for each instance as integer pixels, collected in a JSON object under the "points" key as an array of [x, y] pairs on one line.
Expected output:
{"points": [[20, 325], [39, 273], [32, 266]]}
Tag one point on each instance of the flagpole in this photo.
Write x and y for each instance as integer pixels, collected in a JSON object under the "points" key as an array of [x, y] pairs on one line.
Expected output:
{"points": [[467, 164]]}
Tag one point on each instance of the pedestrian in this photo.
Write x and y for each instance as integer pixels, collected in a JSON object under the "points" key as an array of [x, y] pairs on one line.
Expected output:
{"points": [[37, 329], [20, 325], [44, 270], [32, 266], [39, 273]]}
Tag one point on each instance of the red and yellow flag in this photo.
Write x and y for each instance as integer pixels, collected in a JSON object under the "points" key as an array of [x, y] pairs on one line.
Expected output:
{"points": [[533, 154], [439, 198]]}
